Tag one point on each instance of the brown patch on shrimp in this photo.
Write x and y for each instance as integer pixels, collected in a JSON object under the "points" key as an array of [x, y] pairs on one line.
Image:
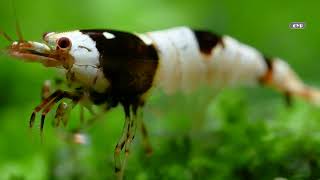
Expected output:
{"points": [[64, 57], [210, 75], [267, 77]]}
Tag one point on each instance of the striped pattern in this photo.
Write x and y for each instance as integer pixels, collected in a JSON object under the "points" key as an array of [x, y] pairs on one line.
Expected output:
{"points": [[190, 59], [112, 67], [119, 67]]}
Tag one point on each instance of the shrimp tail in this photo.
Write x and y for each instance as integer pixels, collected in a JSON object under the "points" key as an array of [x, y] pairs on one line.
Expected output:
{"points": [[281, 77]]}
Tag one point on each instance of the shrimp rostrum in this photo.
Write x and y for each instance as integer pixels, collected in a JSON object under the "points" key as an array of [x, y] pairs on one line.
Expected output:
{"points": [[111, 67]]}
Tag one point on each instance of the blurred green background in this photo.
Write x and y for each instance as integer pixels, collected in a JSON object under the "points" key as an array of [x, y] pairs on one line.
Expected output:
{"points": [[243, 134]]}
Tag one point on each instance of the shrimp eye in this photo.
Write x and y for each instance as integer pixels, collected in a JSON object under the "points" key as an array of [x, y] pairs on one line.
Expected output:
{"points": [[64, 43]]}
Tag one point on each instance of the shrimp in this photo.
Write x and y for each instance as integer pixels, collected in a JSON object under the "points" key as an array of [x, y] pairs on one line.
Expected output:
{"points": [[109, 67]]}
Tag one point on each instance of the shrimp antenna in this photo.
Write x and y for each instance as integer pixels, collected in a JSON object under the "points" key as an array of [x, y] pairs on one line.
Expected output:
{"points": [[6, 36], [18, 29]]}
